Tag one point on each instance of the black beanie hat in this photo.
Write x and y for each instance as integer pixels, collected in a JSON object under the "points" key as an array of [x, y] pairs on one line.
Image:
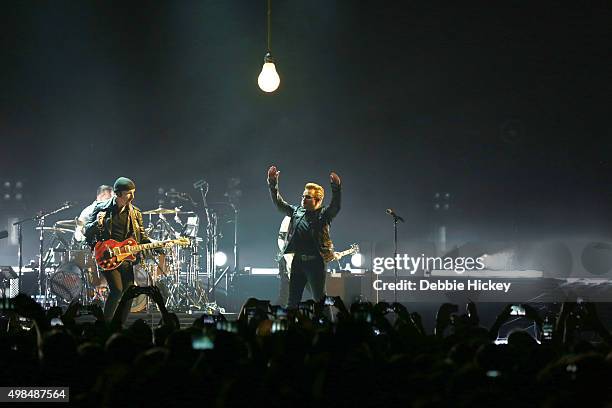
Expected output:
{"points": [[123, 184]]}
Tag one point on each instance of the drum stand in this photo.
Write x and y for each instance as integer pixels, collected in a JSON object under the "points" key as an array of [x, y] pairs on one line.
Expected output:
{"points": [[42, 262], [185, 291], [85, 298]]}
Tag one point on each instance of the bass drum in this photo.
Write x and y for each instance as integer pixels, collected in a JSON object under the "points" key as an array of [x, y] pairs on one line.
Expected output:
{"points": [[141, 278], [66, 282]]}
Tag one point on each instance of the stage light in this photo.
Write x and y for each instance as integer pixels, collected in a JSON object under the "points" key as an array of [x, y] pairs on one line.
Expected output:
{"points": [[18, 184], [268, 79], [18, 196], [357, 260], [7, 184], [7, 196], [220, 258]]}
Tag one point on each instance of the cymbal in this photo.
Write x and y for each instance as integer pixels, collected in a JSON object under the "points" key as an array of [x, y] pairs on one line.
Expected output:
{"points": [[161, 210], [55, 229], [65, 224]]}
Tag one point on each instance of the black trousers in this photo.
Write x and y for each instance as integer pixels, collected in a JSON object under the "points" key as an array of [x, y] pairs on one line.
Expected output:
{"points": [[283, 288], [302, 272], [118, 281]]}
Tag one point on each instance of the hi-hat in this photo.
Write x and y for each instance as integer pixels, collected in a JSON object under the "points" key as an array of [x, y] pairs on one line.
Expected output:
{"points": [[55, 229], [66, 224]]}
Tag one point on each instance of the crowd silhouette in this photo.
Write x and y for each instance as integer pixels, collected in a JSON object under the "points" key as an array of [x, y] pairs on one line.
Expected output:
{"points": [[320, 354]]}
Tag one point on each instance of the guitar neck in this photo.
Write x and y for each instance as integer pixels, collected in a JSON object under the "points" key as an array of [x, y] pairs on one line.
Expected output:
{"points": [[344, 253], [152, 245]]}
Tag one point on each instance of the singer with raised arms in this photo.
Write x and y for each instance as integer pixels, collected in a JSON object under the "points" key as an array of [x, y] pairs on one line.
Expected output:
{"points": [[308, 235], [117, 219]]}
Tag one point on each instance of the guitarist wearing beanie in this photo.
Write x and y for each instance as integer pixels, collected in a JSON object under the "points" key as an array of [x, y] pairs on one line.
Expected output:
{"points": [[117, 219]]}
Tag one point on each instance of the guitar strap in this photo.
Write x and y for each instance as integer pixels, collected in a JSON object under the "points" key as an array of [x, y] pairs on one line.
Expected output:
{"points": [[134, 224]]}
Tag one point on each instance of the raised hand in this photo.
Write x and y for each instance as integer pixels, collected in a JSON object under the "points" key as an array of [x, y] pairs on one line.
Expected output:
{"points": [[156, 295], [503, 316], [472, 313], [334, 178], [72, 310], [532, 314], [418, 322], [273, 174]]}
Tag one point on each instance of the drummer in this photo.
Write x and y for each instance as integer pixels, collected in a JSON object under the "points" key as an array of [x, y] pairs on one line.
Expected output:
{"points": [[104, 192]]}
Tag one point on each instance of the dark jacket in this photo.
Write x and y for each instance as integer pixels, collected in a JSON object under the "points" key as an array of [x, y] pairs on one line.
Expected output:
{"points": [[320, 229], [94, 232]]}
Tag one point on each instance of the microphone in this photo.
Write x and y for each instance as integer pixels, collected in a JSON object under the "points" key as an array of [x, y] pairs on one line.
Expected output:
{"points": [[3, 234], [394, 215]]}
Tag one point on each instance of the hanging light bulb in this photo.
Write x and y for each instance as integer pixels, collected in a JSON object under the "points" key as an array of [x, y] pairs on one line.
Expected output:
{"points": [[268, 79]]}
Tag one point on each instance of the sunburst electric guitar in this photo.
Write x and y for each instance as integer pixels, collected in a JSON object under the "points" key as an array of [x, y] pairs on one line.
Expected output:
{"points": [[110, 254]]}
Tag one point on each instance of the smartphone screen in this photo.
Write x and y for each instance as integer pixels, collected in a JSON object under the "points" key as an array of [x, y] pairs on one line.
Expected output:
{"points": [[547, 331], [201, 342], [517, 310], [230, 327], [208, 319]]}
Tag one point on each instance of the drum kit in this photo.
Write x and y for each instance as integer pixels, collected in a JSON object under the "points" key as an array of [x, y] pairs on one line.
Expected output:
{"points": [[71, 272]]}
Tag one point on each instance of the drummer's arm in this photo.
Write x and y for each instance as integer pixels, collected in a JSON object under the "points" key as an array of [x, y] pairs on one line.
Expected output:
{"points": [[84, 215]]}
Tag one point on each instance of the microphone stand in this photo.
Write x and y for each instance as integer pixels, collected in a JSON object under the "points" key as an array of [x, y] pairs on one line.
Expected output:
{"points": [[41, 262], [235, 237], [211, 238], [18, 223], [226, 273], [396, 218], [235, 222], [40, 217], [395, 257]]}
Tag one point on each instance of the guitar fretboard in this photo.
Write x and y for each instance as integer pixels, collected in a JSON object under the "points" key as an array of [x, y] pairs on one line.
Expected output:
{"points": [[153, 245], [347, 252]]}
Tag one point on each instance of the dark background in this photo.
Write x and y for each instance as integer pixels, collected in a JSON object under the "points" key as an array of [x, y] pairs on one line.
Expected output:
{"points": [[504, 105]]}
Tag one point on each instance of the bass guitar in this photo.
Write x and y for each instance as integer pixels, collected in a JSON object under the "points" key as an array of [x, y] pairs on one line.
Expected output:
{"points": [[110, 254]]}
